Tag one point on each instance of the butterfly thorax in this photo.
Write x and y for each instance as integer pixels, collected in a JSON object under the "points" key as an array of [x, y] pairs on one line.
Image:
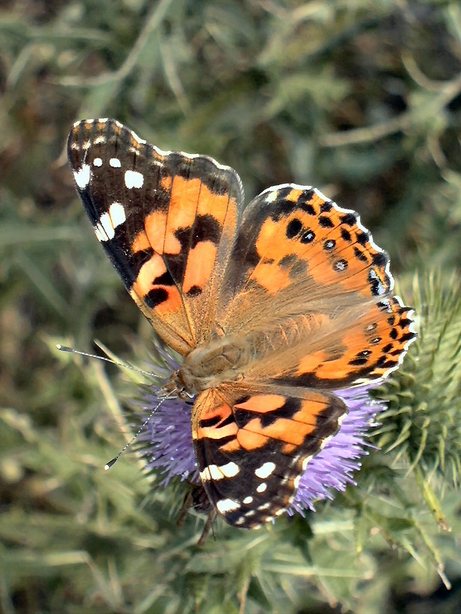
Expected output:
{"points": [[213, 363]]}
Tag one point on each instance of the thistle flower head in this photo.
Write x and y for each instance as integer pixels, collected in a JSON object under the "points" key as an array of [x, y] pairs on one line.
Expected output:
{"points": [[332, 469], [422, 424]]}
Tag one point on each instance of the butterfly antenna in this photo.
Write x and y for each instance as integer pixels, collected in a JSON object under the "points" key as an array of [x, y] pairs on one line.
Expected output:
{"points": [[112, 462], [118, 363]]}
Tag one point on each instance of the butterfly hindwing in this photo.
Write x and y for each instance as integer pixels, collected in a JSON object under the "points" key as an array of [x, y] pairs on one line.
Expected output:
{"points": [[252, 447], [166, 220]]}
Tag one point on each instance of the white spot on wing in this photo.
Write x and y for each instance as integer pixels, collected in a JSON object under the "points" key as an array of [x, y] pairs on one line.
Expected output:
{"points": [[380, 289], [82, 176], [115, 163], [205, 475], [262, 487], [109, 221], [263, 507], [216, 472], [133, 179], [97, 162], [227, 505], [100, 234], [248, 500], [265, 470], [117, 214], [99, 140], [106, 225], [272, 195]]}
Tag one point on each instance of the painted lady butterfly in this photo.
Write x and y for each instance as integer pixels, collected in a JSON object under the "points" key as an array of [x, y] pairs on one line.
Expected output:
{"points": [[273, 306]]}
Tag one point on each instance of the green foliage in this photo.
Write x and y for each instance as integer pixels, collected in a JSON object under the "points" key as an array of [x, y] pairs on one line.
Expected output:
{"points": [[361, 99], [423, 420]]}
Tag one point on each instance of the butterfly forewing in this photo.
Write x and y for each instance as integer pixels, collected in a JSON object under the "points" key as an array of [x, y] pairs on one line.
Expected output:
{"points": [[166, 220]]}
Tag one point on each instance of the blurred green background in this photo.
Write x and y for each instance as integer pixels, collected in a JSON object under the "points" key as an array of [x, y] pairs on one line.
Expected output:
{"points": [[359, 98]]}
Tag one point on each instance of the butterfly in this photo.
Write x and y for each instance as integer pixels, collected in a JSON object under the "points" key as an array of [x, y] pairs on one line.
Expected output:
{"points": [[272, 306]]}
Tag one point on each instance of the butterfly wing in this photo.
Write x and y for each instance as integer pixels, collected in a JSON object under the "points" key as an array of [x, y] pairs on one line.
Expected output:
{"points": [[307, 283], [252, 447], [167, 221]]}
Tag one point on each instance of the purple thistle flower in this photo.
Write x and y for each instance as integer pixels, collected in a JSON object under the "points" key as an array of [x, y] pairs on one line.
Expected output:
{"points": [[333, 467], [168, 448], [167, 441]]}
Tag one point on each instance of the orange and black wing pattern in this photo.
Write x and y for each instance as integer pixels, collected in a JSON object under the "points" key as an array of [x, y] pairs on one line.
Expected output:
{"points": [[166, 219], [307, 274], [252, 448]]}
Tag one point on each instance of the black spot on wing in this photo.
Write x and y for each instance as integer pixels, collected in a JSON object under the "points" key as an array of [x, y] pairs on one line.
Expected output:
{"points": [[363, 238], [164, 280], [407, 337], [326, 206], [205, 228], [304, 201], [325, 222], [307, 207], [380, 259], [176, 265], [155, 297], [194, 291], [137, 259], [350, 219], [282, 193], [294, 227], [308, 236], [360, 255], [281, 208]]}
